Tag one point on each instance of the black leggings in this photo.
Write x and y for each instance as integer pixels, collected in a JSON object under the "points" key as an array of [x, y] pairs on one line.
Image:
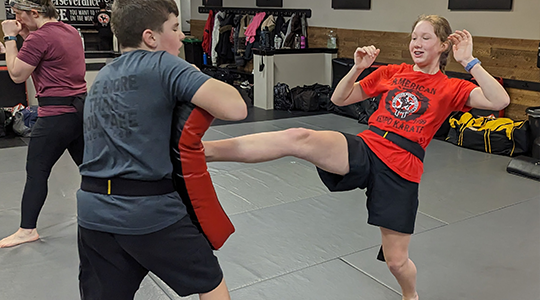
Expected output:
{"points": [[51, 136]]}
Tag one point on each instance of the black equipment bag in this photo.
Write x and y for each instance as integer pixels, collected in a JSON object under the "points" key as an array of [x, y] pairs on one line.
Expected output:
{"points": [[492, 135], [310, 97], [5, 121], [282, 97], [360, 111]]}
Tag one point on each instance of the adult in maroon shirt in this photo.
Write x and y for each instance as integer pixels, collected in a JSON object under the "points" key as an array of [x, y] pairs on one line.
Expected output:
{"points": [[53, 55]]}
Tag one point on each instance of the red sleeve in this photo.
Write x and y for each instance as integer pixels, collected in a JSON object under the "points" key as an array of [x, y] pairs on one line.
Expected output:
{"points": [[33, 50], [370, 84], [463, 90]]}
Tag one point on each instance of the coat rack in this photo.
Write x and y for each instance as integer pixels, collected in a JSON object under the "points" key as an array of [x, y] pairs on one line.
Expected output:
{"points": [[252, 10]]}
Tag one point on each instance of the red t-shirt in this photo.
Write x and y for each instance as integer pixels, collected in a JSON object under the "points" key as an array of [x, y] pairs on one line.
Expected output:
{"points": [[413, 105], [55, 49]]}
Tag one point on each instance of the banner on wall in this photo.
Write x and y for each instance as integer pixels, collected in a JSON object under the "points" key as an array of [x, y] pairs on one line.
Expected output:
{"points": [[75, 12]]}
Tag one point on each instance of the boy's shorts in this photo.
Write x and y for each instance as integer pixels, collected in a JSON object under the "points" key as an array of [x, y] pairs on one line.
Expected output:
{"points": [[392, 201], [112, 266]]}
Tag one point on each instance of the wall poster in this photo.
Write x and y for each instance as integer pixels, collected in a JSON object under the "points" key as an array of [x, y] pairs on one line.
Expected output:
{"points": [[79, 13]]}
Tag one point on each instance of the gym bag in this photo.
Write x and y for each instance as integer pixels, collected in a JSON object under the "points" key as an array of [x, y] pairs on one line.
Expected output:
{"points": [[311, 97], [492, 135], [282, 97], [5, 121]]}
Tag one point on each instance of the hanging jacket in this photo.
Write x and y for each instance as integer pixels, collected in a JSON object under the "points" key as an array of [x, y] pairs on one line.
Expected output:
{"points": [[207, 35], [280, 21], [281, 28], [224, 46], [238, 56], [251, 31], [288, 32], [215, 37], [304, 29], [235, 32], [270, 23], [296, 28]]}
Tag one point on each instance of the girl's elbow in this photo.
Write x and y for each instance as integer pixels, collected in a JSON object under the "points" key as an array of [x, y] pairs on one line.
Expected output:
{"points": [[337, 101]]}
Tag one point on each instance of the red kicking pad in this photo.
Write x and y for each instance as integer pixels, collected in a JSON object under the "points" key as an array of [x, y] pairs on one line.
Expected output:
{"points": [[191, 177]]}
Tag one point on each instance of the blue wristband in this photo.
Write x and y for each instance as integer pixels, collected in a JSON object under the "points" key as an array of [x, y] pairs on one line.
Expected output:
{"points": [[471, 64], [9, 38]]}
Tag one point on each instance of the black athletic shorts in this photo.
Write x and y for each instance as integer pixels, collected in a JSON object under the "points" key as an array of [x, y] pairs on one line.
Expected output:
{"points": [[112, 266], [392, 201]]}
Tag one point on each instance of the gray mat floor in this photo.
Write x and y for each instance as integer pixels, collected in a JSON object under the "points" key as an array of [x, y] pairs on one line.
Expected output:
{"points": [[477, 234]]}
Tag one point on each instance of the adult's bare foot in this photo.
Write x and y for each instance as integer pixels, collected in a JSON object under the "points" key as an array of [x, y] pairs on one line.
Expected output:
{"points": [[20, 237]]}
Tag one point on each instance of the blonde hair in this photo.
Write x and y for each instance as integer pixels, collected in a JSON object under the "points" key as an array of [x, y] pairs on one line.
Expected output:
{"points": [[442, 31]]}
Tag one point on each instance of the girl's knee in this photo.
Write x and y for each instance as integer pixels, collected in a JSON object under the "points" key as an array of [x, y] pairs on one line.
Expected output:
{"points": [[396, 263], [297, 139], [298, 134]]}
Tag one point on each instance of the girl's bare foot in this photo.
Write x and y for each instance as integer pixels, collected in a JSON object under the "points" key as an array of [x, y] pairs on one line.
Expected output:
{"points": [[20, 237], [413, 298]]}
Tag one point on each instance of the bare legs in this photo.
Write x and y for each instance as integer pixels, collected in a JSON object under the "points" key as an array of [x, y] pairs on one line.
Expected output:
{"points": [[396, 254], [325, 149], [328, 151], [219, 293]]}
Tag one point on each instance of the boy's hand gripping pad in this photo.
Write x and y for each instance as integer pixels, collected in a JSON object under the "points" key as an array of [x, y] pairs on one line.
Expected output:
{"points": [[191, 177]]}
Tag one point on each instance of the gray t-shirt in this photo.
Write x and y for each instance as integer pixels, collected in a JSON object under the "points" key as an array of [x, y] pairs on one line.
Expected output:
{"points": [[127, 130]]}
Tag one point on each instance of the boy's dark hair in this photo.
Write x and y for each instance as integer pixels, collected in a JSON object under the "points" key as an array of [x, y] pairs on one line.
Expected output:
{"points": [[130, 18], [102, 5]]}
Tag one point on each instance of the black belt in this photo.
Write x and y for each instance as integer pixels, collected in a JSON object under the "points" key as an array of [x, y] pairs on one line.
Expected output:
{"points": [[406, 144], [126, 187], [68, 101], [76, 101]]}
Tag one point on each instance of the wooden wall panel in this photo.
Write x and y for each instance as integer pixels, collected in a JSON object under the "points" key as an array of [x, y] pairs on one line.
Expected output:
{"points": [[197, 28], [521, 99], [507, 58]]}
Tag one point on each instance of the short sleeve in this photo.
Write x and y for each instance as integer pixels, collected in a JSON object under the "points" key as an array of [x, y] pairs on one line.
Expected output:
{"points": [[371, 83], [463, 90], [179, 78], [33, 50]]}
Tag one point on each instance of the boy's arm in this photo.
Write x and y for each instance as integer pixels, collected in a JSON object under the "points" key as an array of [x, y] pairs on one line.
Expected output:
{"points": [[220, 100]]}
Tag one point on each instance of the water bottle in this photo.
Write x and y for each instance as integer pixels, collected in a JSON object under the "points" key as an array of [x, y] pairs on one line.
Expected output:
{"points": [[331, 43], [205, 59], [302, 42], [82, 37], [277, 41], [296, 41]]}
